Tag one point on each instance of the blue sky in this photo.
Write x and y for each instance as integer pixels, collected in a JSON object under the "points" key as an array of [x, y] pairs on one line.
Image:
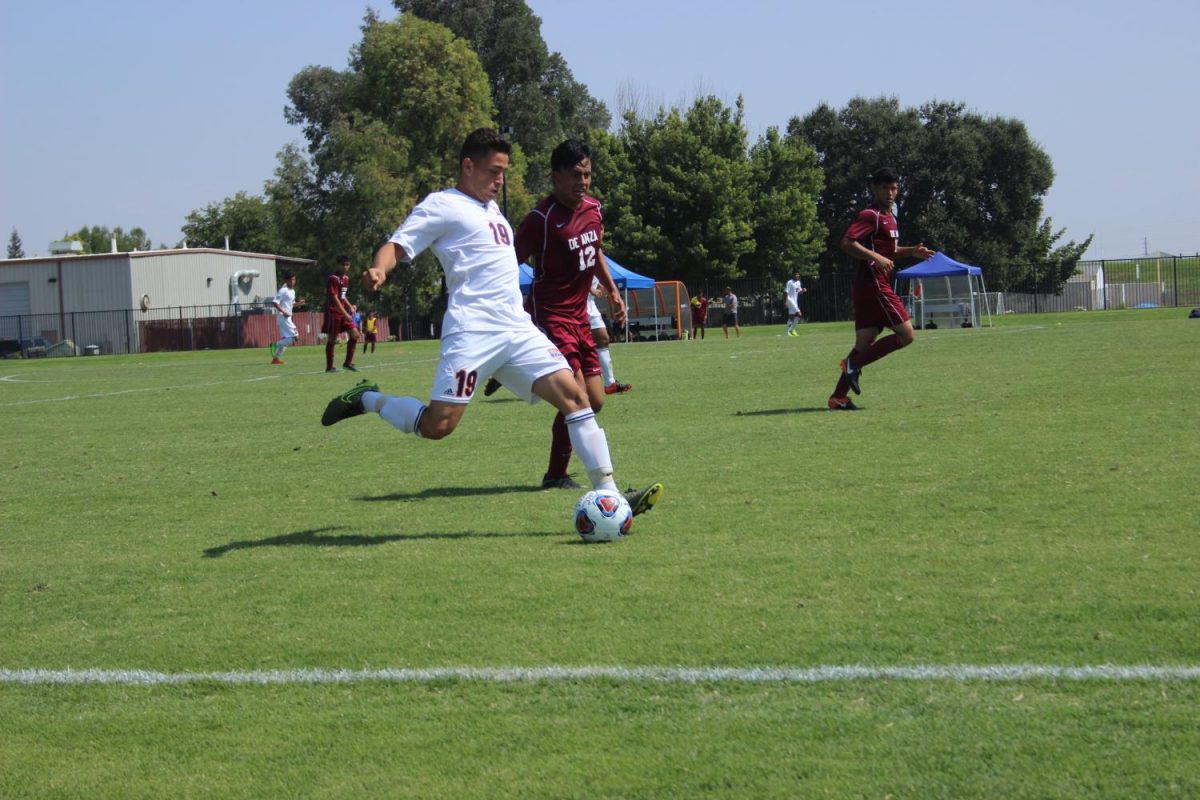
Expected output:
{"points": [[135, 113]]}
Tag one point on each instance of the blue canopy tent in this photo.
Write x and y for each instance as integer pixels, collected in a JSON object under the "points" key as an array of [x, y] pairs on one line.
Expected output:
{"points": [[625, 279], [959, 294]]}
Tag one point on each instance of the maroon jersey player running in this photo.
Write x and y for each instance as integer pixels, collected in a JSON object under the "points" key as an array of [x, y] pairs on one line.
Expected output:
{"points": [[339, 316], [560, 238], [874, 240]]}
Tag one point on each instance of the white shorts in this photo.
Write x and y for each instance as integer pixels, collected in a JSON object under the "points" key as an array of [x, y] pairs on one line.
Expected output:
{"points": [[594, 318], [793, 308], [516, 359], [287, 328]]}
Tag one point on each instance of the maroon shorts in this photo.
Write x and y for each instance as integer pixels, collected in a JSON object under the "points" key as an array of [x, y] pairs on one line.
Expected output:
{"points": [[335, 324], [574, 341], [876, 306]]}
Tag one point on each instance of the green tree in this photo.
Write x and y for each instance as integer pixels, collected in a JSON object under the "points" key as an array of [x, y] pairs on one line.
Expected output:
{"points": [[688, 184], [533, 89], [98, 239], [785, 182], [15, 248], [971, 186], [245, 219], [381, 135]]}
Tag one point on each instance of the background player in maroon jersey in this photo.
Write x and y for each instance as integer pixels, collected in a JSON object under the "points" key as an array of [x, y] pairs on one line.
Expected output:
{"points": [[874, 240], [339, 316], [561, 239]]}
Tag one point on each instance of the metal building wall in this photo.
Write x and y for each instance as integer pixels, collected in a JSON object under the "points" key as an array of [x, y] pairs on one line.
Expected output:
{"points": [[199, 278]]}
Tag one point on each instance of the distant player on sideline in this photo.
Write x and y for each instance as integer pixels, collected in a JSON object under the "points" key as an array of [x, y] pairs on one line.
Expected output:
{"points": [[371, 334], [600, 337], [561, 239], [285, 299], [731, 313], [339, 316], [794, 289], [874, 240], [485, 330]]}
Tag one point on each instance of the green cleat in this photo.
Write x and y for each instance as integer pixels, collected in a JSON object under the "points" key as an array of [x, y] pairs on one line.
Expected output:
{"points": [[347, 404], [642, 500]]}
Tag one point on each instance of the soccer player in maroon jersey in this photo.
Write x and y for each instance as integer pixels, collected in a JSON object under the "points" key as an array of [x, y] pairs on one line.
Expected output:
{"points": [[874, 240], [561, 239], [339, 316]]}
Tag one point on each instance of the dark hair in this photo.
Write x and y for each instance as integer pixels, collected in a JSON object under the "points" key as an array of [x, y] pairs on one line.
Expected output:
{"points": [[481, 142], [884, 175], [287, 276], [568, 154], [343, 260]]}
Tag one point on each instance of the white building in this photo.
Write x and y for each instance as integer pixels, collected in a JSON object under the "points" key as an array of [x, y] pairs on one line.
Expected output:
{"points": [[60, 297]]}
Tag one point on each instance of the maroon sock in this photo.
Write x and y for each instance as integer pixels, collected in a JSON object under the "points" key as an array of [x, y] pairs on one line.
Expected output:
{"points": [[878, 349], [329, 345], [350, 345], [843, 387], [560, 448]]}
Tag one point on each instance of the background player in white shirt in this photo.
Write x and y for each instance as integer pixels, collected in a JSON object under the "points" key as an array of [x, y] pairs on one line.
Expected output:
{"points": [[285, 299], [794, 289], [485, 330], [600, 337]]}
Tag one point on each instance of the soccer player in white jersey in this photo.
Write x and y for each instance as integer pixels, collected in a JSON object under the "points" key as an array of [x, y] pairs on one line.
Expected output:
{"points": [[285, 299], [794, 289], [485, 330], [600, 337]]}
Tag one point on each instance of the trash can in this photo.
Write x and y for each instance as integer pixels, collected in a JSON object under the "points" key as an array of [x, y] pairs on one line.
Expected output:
{"points": [[91, 350]]}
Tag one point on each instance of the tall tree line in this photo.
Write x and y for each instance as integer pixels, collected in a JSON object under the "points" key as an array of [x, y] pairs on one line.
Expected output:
{"points": [[686, 194]]}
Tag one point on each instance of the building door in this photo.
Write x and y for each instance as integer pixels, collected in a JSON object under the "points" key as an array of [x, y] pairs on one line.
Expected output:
{"points": [[14, 304]]}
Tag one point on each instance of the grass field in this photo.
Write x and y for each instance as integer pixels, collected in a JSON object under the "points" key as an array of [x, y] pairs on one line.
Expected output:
{"points": [[1022, 496]]}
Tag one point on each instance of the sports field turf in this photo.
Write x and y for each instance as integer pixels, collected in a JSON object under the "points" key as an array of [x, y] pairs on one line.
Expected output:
{"points": [[1021, 497]]}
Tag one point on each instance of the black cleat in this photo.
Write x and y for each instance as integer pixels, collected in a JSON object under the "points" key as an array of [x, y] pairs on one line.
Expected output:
{"points": [[842, 404], [565, 482], [350, 367], [851, 372], [642, 500], [347, 404], [492, 387]]}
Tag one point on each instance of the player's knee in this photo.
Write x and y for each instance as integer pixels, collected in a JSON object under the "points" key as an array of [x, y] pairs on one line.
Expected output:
{"points": [[904, 338], [436, 428]]}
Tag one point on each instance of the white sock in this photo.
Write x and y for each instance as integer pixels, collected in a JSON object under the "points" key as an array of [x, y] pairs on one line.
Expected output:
{"points": [[402, 413], [606, 369], [280, 346], [591, 445]]}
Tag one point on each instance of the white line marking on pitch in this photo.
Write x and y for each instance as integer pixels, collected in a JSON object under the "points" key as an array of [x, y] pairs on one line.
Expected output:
{"points": [[955, 673]]}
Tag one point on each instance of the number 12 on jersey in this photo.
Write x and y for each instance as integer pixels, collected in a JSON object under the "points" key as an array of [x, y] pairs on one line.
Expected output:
{"points": [[587, 257]]}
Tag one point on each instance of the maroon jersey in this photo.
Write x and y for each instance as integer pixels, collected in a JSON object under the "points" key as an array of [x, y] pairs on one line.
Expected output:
{"points": [[335, 289], [562, 245], [875, 230]]}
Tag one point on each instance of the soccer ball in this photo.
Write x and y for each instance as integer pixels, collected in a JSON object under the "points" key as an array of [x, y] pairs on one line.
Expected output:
{"points": [[603, 516]]}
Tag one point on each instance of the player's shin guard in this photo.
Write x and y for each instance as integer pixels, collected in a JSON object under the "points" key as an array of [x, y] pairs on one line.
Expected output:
{"points": [[591, 444], [402, 413]]}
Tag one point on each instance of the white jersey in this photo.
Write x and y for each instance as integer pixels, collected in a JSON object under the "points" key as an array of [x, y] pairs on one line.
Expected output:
{"points": [[474, 244], [285, 298], [793, 290]]}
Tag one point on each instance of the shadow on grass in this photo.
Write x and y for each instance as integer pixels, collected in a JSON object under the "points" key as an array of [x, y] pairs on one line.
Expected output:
{"points": [[452, 491], [317, 538], [774, 412]]}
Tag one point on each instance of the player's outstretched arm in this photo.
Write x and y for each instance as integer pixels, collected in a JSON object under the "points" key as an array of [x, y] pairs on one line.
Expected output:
{"points": [[919, 251], [385, 261]]}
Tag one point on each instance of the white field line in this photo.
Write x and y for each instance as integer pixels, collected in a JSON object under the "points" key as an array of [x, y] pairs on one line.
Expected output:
{"points": [[954, 673], [185, 386]]}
